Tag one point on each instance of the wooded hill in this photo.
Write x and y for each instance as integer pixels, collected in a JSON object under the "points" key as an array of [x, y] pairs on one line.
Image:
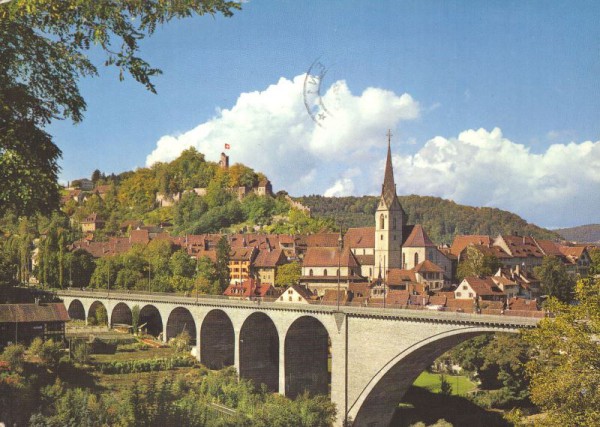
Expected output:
{"points": [[582, 234], [442, 219]]}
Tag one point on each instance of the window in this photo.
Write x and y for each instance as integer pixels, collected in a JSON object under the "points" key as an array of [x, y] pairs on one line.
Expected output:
{"points": [[299, 298], [370, 271], [403, 260], [458, 294], [381, 237], [381, 222], [325, 272], [394, 225], [416, 259], [464, 287], [290, 299], [310, 272], [337, 272], [290, 291], [470, 294]]}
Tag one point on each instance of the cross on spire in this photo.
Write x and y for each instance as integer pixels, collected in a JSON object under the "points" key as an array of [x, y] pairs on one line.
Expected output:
{"points": [[389, 135]]}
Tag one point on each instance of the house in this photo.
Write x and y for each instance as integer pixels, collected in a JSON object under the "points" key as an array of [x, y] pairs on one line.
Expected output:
{"points": [[83, 184], [91, 223], [479, 289], [240, 262], [250, 289], [21, 323], [296, 294], [430, 274], [322, 266], [266, 263]]}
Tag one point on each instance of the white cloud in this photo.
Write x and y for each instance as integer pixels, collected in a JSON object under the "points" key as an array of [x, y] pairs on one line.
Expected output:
{"points": [[272, 132], [483, 168]]}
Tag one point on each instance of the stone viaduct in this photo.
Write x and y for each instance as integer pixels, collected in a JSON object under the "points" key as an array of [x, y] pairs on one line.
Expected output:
{"points": [[376, 354]]}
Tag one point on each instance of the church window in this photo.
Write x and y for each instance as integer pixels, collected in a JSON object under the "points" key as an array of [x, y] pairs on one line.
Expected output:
{"points": [[394, 225], [310, 272], [381, 237], [381, 222], [416, 259], [325, 272], [394, 237]]}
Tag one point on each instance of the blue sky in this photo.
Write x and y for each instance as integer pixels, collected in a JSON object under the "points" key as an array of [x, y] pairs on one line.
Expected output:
{"points": [[492, 103]]}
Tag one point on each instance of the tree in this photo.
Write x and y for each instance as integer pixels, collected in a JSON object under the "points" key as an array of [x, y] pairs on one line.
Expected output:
{"points": [[288, 274], [565, 365], [445, 386], [43, 51], [555, 280], [96, 175], [476, 263], [222, 264], [181, 264], [14, 354], [135, 318], [594, 262]]}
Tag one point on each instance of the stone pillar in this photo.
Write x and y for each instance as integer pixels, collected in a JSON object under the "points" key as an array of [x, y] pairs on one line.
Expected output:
{"points": [[236, 353], [164, 328], [282, 390], [339, 354]]}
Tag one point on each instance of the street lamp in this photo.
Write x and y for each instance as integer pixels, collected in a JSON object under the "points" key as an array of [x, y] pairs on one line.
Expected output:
{"points": [[149, 272]]}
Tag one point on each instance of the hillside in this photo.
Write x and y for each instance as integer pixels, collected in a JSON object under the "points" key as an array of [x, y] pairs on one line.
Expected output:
{"points": [[582, 234], [442, 219]]}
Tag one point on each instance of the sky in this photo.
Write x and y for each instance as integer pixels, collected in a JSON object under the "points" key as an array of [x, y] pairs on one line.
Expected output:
{"points": [[492, 103]]}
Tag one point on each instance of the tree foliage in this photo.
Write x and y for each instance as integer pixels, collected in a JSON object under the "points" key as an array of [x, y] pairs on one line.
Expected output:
{"points": [[476, 263], [288, 274], [44, 54], [555, 281], [443, 219], [565, 367]]}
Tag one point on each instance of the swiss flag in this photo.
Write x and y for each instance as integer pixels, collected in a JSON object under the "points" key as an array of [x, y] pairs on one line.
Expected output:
{"points": [[227, 146]]}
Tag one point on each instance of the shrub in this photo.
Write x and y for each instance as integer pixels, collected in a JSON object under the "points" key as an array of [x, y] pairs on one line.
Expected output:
{"points": [[144, 365], [14, 354]]}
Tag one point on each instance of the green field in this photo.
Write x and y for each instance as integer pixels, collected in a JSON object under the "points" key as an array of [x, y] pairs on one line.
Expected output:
{"points": [[461, 385]]}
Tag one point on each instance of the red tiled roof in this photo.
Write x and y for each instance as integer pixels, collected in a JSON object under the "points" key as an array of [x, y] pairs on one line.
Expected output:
{"points": [[325, 240], [139, 236], [331, 295], [483, 286], [428, 266], [248, 288], [329, 257], [522, 246], [242, 254], [271, 259], [461, 242], [417, 238], [365, 259], [302, 291], [398, 276], [465, 305], [522, 304], [23, 313], [438, 300], [363, 237]]}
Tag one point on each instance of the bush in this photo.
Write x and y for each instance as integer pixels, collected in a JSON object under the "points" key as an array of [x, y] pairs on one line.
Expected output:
{"points": [[144, 365], [14, 354]]}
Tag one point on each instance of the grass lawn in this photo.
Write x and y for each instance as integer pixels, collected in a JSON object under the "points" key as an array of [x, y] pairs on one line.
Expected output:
{"points": [[461, 385], [150, 353]]}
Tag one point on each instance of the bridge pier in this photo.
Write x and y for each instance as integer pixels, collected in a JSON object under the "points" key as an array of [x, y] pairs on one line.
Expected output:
{"points": [[282, 372]]}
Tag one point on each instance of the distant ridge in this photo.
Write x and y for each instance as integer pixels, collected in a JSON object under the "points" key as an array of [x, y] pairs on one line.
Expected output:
{"points": [[582, 234], [442, 219]]}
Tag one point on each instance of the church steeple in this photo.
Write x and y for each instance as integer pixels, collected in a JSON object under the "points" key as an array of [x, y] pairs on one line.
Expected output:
{"points": [[390, 220], [388, 190]]}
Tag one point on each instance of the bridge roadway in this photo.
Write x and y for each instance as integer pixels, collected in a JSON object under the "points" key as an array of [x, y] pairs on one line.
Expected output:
{"points": [[376, 353]]}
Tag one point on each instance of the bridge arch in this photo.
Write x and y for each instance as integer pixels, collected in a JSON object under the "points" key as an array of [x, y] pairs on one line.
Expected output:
{"points": [[151, 320], [180, 320], [76, 310], [259, 351], [377, 402], [217, 340], [98, 314], [121, 315], [306, 350]]}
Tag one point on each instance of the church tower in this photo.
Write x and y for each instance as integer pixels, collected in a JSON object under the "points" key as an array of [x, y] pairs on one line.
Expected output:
{"points": [[389, 222]]}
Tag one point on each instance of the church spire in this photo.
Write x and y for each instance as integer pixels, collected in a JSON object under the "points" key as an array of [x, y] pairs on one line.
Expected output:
{"points": [[388, 190]]}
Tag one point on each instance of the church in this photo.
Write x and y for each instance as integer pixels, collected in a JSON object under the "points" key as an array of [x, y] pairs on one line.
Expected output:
{"points": [[391, 251]]}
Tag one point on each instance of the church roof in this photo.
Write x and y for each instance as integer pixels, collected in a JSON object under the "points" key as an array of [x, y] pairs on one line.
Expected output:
{"points": [[388, 190], [418, 238]]}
